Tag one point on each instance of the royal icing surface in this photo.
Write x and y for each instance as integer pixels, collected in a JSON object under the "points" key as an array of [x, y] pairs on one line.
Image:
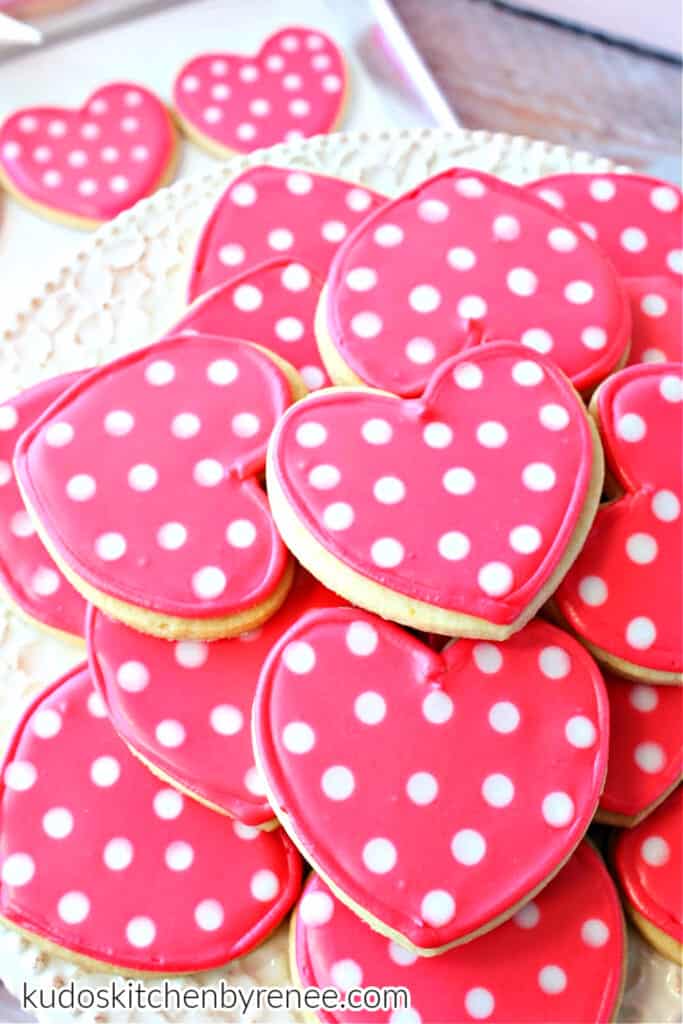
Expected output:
{"points": [[273, 305], [646, 745], [98, 856], [27, 572], [623, 593], [186, 706], [92, 162], [637, 221], [657, 320], [404, 492], [560, 958], [145, 476], [466, 258], [649, 861], [270, 212], [291, 89], [436, 791]]}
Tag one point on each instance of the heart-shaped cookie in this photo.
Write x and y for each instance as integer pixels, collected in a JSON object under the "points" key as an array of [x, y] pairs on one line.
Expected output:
{"points": [[466, 258], [645, 749], [649, 860], [455, 514], [622, 596], [269, 211], [657, 320], [87, 165], [27, 573], [434, 792], [294, 87], [151, 503], [561, 958], [279, 315], [98, 858], [185, 708]]}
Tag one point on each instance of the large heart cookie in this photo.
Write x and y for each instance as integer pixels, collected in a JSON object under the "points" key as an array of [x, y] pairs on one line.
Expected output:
{"points": [[622, 596], [274, 305], [657, 320], [185, 708], [143, 479], [456, 514], [561, 958], [294, 87], [88, 165], [268, 212], [435, 793], [27, 572], [466, 258], [100, 859]]}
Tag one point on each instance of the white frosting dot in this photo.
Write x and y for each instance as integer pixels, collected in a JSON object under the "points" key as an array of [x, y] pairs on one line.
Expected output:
{"points": [[488, 658], [664, 199], [506, 227], [649, 757], [459, 480], [316, 909], [461, 258], [525, 539], [226, 719], [671, 388], [479, 1003], [644, 698], [562, 240], [231, 255], [179, 855], [437, 907], [209, 582], [346, 974], [422, 788], [132, 676], [633, 239], [522, 281], [338, 782], [170, 733], [558, 809], [498, 790], [579, 292], [472, 307], [73, 907], [241, 533], [420, 351], [388, 235], [20, 776], [171, 536], [389, 490], [361, 279], [491, 434], [631, 427], [454, 545], [338, 516], [553, 416], [298, 737], [432, 211], [168, 804], [247, 298], [602, 189], [495, 579], [370, 707], [46, 723], [18, 869], [387, 552], [289, 329], [141, 932], [538, 339], [311, 434], [265, 886], [159, 373], [424, 298], [143, 477], [361, 639], [58, 435], [437, 435], [299, 657], [366, 324], [554, 662], [110, 546], [295, 277], [528, 917], [594, 932], [119, 422], [580, 732], [377, 431], [538, 476], [468, 847], [118, 854], [666, 506], [552, 979], [593, 591], [655, 851], [81, 487], [504, 717], [324, 477], [527, 373], [438, 707], [641, 548], [58, 823], [641, 633], [105, 771]]}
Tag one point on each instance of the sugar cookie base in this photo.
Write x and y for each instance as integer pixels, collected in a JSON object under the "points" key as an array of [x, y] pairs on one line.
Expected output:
{"points": [[665, 944], [72, 639], [631, 820]]}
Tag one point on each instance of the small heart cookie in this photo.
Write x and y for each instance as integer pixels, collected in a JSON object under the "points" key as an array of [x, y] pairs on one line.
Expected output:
{"points": [[648, 860], [560, 958], [269, 211], [457, 513], [436, 838], [645, 749], [103, 864], [151, 503], [657, 319], [466, 258], [274, 305], [85, 166], [27, 573], [185, 708], [294, 87], [622, 595]]}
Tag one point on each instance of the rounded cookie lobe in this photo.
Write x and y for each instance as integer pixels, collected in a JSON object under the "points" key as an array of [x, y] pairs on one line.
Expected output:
{"points": [[466, 258], [269, 212], [100, 858], [93, 162], [294, 87], [497, 781], [657, 319], [621, 595], [560, 958]]}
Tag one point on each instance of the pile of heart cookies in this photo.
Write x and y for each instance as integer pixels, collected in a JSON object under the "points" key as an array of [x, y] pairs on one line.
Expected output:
{"points": [[375, 555]]}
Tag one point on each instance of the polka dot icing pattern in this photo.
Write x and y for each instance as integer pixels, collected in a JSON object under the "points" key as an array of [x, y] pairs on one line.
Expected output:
{"points": [[155, 500], [646, 746], [466, 258], [273, 305], [93, 162], [621, 594], [657, 318], [84, 828], [270, 212], [27, 572], [291, 89], [500, 428], [186, 707], [506, 759], [648, 862], [636, 220], [560, 958]]}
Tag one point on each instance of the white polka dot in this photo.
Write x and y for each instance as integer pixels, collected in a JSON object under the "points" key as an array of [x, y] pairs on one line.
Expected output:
{"points": [[497, 790], [553, 417], [289, 329], [538, 339], [389, 490], [491, 434], [110, 547], [298, 737], [644, 698], [528, 917], [265, 886], [471, 188], [633, 239], [73, 907], [641, 633], [580, 732], [208, 473], [333, 231], [454, 545], [366, 325], [655, 851], [253, 780], [58, 823], [118, 422], [179, 856], [654, 305], [168, 804], [437, 435], [52, 179], [579, 292], [552, 979], [332, 83], [81, 487], [11, 150], [387, 552], [437, 707], [361, 279], [594, 932], [370, 707], [558, 809], [109, 154], [105, 771], [5, 473], [21, 524], [231, 255], [324, 477], [170, 733], [504, 717], [316, 909], [538, 476], [241, 533], [20, 776], [422, 788], [96, 706], [311, 434], [527, 373], [346, 974], [641, 548], [171, 536], [141, 932], [379, 855], [432, 211], [631, 427], [400, 955], [118, 854], [525, 539], [209, 582], [132, 676], [338, 782], [666, 506], [554, 662], [338, 516], [602, 189], [376, 431], [522, 281], [674, 261], [313, 377], [424, 298], [562, 240], [299, 657], [388, 235], [18, 869], [361, 639], [119, 183], [58, 435], [495, 579], [488, 658], [143, 477], [649, 757], [664, 199], [295, 278], [468, 847], [479, 1003], [671, 388], [593, 591], [459, 480], [437, 907], [226, 720], [506, 228], [159, 373], [46, 723], [472, 307], [247, 298]]}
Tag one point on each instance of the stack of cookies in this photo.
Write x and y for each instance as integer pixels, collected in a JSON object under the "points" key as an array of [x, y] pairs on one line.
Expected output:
{"points": [[417, 629]]}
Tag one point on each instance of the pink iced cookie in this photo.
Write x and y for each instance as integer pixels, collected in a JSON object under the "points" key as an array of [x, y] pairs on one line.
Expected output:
{"points": [[649, 861], [435, 792], [152, 503], [645, 751], [270, 212], [462, 259], [27, 572], [455, 514], [274, 305], [88, 165], [100, 859], [294, 87], [561, 957], [622, 596], [185, 708], [657, 320]]}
